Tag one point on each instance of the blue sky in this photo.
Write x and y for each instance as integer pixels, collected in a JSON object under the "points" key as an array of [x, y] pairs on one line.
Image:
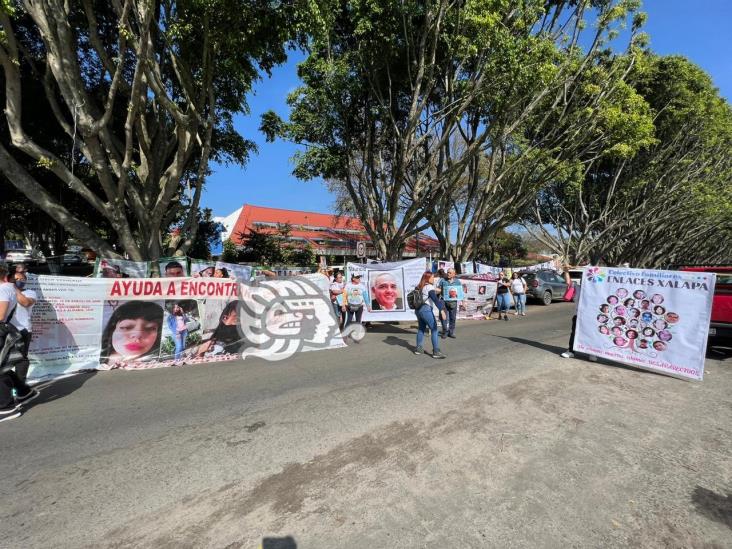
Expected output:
{"points": [[698, 30]]}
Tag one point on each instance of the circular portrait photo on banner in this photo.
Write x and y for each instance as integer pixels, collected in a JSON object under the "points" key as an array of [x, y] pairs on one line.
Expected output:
{"points": [[132, 332], [386, 290]]}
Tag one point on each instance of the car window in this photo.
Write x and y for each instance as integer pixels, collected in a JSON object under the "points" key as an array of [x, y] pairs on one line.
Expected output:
{"points": [[725, 278]]}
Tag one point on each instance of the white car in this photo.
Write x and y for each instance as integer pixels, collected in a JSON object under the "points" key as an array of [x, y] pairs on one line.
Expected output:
{"points": [[21, 256]]}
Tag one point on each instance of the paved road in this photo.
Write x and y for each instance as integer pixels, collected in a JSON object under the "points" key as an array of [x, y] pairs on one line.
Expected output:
{"points": [[504, 444]]}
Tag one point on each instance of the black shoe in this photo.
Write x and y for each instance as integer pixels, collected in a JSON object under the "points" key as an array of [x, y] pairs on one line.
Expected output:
{"points": [[443, 335], [505, 317], [451, 336], [418, 351], [9, 412], [30, 395], [437, 354]]}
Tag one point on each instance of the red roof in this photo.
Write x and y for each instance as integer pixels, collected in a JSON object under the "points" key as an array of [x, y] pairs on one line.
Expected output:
{"points": [[313, 226]]}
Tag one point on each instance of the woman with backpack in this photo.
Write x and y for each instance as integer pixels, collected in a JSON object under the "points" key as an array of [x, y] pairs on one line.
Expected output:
{"points": [[423, 294]]}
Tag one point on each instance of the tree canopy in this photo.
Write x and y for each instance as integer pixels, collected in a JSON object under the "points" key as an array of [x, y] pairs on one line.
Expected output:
{"points": [[140, 96]]}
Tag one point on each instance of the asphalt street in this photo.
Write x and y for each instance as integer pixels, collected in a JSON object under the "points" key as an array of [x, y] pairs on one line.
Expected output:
{"points": [[503, 444]]}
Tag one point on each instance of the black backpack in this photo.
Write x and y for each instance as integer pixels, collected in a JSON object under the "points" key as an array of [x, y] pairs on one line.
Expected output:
{"points": [[414, 299]]}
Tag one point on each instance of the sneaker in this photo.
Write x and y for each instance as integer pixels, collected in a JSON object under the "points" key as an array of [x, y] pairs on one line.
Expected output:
{"points": [[593, 358], [567, 354], [523, 314], [30, 395], [437, 354], [6, 417], [8, 411], [418, 351], [515, 313]]}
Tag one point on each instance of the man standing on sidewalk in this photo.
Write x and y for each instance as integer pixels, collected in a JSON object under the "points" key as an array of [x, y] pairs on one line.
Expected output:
{"points": [[451, 289]]}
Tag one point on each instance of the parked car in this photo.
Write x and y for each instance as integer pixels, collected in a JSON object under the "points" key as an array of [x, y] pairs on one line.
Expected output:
{"points": [[545, 285], [23, 255], [71, 259], [720, 327]]}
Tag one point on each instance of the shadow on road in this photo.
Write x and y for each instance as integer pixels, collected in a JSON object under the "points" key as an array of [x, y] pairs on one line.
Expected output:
{"points": [[382, 328], [399, 342], [279, 543], [538, 344], [714, 506], [719, 352], [53, 390]]}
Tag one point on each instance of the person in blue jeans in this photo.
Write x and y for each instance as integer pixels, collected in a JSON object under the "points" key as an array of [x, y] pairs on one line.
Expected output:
{"points": [[503, 297], [451, 290], [178, 329], [425, 316]]}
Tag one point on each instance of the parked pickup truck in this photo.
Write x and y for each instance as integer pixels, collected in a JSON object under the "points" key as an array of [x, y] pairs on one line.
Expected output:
{"points": [[720, 328]]}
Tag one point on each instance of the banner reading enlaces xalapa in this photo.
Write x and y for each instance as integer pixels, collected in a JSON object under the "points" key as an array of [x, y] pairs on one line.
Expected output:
{"points": [[85, 324], [657, 320]]}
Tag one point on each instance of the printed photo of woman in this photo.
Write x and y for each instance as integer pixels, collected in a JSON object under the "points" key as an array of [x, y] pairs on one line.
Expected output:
{"points": [[181, 327], [225, 338], [132, 333]]}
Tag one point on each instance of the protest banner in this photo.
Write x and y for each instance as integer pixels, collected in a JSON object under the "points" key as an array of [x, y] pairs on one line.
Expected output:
{"points": [[83, 324], [202, 268], [387, 285], [478, 298], [467, 268], [120, 268], [241, 273], [482, 268], [656, 320], [173, 267], [442, 264], [66, 320]]}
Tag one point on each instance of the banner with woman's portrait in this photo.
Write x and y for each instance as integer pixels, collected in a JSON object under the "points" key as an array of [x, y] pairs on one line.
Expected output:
{"points": [[657, 320], [107, 324]]}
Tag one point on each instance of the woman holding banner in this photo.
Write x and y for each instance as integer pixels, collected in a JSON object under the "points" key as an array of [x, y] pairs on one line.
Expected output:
{"points": [[569, 353]]}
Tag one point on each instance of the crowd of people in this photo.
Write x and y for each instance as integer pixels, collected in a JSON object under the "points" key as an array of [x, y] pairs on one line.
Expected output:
{"points": [[440, 294]]}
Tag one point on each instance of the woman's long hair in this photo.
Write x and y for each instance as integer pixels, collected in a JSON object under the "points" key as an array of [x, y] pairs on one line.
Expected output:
{"points": [[147, 310], [425, 279]]}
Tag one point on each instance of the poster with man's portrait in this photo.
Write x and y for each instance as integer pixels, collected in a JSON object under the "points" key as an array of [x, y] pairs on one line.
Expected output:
{"points": [[386, 289]]}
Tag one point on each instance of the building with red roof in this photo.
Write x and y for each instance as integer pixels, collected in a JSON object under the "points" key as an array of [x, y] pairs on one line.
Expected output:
{"points": [[326, 234]]}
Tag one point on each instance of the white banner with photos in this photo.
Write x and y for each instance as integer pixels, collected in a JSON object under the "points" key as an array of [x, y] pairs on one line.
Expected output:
{"points": [[657, 320]]}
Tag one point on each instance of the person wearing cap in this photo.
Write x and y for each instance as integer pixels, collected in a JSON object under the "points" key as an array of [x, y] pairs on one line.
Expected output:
{"points": [[355, 296]]}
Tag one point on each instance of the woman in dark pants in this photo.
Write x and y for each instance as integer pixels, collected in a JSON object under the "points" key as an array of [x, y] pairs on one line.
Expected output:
{"points": [[569, 353]]}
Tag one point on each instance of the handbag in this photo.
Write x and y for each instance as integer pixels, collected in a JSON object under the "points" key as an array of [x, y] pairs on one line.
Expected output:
{"points": [[569, 294]]}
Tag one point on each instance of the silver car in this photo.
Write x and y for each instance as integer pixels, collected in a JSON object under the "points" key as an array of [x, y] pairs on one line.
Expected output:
{"points": [[545, 285]]}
